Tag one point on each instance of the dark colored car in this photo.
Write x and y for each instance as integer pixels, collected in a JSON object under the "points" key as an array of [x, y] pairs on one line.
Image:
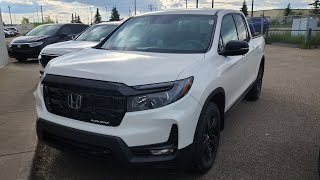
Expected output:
{"points": [[30, 45], [255, 25]]}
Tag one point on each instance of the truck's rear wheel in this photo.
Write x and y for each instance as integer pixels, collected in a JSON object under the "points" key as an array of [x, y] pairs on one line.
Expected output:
{"points": [[255, 91], [207, 139]]}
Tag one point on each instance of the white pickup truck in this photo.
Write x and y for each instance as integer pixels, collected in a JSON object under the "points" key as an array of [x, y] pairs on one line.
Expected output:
{"points": [[155, 92]]}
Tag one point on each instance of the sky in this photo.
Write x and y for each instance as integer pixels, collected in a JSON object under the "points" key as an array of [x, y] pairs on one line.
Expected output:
{"points": [[61, 10]]}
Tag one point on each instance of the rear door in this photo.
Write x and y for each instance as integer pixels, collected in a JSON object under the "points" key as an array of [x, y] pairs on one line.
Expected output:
{"points": [[234, 74], [250, 58]]}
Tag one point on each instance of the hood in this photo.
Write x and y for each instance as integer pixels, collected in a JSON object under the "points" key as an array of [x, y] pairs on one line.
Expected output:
{"points": [[128, 67], [67, 47], [28, 39]]}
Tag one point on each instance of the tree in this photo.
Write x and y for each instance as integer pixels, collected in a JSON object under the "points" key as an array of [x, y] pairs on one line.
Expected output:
{"points": [[287, 11], [48, 19], [72, 18], [97, 17], [115, 16], [244, 8], [315, 7], [25, 21], [78, 19]]}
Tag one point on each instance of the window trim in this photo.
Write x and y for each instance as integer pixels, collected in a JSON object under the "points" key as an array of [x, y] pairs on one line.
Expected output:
{"points": [[244, 22], [220, 34]]}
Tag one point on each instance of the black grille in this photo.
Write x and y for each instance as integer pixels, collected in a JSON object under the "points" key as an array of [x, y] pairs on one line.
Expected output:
{"points": [[20, 46], [45, 59], [97, 106]]}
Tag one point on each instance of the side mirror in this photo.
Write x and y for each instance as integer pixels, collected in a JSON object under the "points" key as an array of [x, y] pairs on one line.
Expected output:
{"points": [[235, 48], [63, 35]]}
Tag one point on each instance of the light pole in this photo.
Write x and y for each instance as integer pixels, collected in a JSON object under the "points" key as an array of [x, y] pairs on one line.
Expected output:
{"points": [[252, 8], [212, 5], [197, 2], [10, 14]]}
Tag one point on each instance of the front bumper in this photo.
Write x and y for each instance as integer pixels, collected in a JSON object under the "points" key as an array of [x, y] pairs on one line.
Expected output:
{"points": [[109, 147], [138, 128], [30, 52]]}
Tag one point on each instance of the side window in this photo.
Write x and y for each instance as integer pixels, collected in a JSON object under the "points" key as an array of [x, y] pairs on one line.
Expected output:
{"points": [[228, 31], [66, 30], [76, 29], [242, 28]]}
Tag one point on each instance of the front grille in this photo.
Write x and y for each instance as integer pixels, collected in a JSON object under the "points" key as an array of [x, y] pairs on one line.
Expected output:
{"points": [[20, 46], [97, 106], [45, 59]]}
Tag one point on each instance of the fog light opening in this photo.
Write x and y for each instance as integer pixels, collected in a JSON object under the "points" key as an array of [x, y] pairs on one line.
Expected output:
{"points": [[162, 151]]}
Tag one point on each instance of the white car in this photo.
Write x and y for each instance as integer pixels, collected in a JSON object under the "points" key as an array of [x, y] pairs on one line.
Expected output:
{"points": [[155, 92], [89, 38], [8, 33]]}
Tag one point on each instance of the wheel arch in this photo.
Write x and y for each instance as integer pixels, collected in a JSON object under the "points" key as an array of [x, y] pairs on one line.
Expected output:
{"points": [[217, 96]]}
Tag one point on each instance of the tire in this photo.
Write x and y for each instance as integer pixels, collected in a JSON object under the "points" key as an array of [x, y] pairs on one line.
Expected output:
{"points": [[206, 139], [22, 59], [255, 91]]}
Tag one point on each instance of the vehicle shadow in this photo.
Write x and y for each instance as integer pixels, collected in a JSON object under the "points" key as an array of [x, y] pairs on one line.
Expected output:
{"points": [[49, 162], [30, 61]]}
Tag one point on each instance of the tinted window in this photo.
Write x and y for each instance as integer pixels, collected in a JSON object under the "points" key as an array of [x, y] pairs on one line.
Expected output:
{"points": [[66, 30], [241, 27], [228, 30], [164, 33], [96, 33], [78, 28], [44, 30]]}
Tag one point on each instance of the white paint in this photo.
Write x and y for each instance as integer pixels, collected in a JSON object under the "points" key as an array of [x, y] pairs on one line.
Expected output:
{"points": [[3, 48]]}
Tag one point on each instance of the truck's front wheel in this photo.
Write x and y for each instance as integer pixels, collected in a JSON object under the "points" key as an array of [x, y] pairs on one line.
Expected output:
{"points": [[207, 139]]}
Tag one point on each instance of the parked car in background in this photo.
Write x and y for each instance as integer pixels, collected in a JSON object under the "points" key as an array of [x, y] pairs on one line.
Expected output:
{"points": [[155, 91], [31, 44], [255, 24], [14, 30], [88, 38], [8, 33]]}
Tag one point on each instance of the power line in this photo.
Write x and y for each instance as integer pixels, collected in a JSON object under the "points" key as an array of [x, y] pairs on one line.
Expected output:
{"points": [[10, 14]]}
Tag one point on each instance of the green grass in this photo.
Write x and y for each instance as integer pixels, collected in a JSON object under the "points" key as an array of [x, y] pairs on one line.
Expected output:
{"points": [[285, 37]]}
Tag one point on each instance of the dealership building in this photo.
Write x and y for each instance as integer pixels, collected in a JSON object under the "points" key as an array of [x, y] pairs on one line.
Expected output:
{"points": [[3, 47]]}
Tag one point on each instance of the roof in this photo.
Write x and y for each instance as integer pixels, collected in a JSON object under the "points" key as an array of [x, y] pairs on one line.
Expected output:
{"points": [[110, 23], [202, 11]]}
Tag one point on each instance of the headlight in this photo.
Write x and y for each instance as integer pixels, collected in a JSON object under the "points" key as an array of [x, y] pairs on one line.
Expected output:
{"points": [[34, 44], [177, 90]]}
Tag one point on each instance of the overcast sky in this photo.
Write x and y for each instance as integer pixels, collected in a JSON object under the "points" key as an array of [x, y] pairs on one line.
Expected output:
{"points": [[62, 9]]}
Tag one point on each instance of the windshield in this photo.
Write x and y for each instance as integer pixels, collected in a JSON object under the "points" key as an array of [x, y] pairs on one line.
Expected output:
{"points": [[96, 33], [176, 33], [44, 30]]}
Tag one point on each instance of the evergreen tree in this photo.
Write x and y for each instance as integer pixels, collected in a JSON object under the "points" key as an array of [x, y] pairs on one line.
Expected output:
{"points": [[115, 16], [97, 17], [287, 11], [315, 7], [72, 18], [244, 8], [78, 19]]}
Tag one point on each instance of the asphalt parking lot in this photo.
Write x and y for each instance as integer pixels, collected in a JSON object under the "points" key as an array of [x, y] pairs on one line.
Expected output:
{"points": [[277, 137]]}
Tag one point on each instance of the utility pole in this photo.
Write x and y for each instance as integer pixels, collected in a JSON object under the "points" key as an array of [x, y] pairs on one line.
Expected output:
{"points": [[135, 7], [10, 14], [186, 4], [41, 13], [197, 2], [107, 13], [38, 14], [212, 5], [252, 8], [129, 12], [91, 14]]}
